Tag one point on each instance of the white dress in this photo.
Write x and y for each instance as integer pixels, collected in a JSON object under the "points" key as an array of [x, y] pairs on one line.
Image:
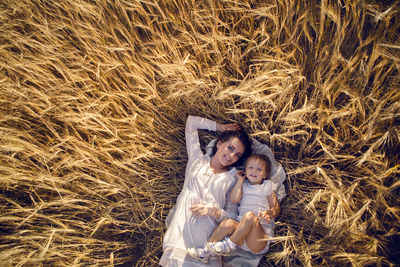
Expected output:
{"points": [[255, 199], [201, 185]]}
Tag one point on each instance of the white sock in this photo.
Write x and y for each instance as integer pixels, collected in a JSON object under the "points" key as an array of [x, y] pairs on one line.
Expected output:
{"points": [[203, 252], [229, 242]]}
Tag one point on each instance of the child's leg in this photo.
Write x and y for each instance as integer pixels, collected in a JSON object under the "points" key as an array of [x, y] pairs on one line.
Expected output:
{"points": [[256, 238], [250, 229], [225, 228]]}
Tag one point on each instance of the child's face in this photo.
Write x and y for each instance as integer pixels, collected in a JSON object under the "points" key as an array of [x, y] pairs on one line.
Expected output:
{"points": [[256, 171]]}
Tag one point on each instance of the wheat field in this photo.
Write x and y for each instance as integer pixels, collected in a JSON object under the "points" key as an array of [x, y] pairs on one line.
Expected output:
{"points": [[94, 96]]}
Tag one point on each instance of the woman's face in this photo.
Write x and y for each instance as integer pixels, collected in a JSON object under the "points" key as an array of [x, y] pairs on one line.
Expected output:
{"points": [[229, 151]]}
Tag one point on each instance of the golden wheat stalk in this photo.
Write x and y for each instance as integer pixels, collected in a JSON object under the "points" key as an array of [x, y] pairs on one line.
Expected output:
{"points": [[94, 96]]}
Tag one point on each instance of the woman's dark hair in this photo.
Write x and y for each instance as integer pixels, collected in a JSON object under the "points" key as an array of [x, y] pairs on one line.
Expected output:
{"points": [[263, 158], [244, 139]]}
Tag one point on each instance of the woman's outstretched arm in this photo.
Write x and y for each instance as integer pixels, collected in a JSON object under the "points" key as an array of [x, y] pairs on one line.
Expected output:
{"points": [[227, 127], [193, 124]]}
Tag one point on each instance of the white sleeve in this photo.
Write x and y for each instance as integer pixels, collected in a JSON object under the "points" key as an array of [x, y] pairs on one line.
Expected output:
{"points": [[193, 124], [230, 211], [274, 188]]}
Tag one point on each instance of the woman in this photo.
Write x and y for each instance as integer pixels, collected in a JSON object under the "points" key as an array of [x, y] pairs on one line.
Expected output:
{"points": [[208, 180]]}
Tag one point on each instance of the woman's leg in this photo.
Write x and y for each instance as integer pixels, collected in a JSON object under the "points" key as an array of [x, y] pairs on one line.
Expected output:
{"points": [[250, 229], [225, 228]]}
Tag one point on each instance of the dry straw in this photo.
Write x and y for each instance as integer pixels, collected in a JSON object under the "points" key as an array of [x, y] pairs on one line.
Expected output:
{"points": [[94, 97]]}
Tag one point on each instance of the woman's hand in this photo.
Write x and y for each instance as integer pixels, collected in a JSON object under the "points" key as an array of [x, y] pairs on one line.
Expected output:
{"points": [[205, 210], [228, 127]]}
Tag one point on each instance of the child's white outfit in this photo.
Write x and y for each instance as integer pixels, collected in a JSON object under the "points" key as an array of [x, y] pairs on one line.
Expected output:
{"points": [[277, 175], [255, 199]]}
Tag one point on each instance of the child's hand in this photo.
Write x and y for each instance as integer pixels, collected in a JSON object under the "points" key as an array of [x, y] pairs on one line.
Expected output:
{"points": [[240, 175], [228, 127], [265, 215]]}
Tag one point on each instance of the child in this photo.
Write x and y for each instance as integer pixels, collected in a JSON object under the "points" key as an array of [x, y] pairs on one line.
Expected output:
{"points": [[258, 205]]}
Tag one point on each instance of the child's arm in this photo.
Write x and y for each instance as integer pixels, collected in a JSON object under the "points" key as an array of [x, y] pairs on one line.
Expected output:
{"points": [[275, 208], [236, 193]]}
